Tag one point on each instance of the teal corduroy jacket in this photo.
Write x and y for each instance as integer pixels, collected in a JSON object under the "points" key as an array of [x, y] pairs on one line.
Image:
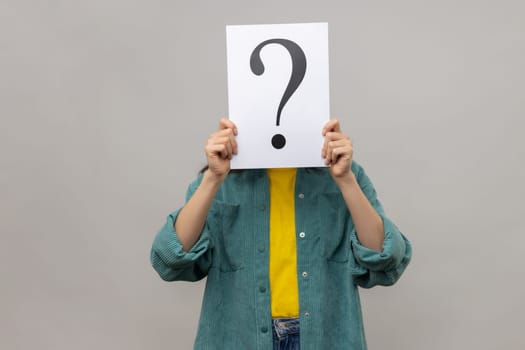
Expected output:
{"points": [[232, 252]]}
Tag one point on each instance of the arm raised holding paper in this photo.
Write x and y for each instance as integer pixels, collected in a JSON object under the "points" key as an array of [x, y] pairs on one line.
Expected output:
{"points": [[220, 149], [337, 152]]}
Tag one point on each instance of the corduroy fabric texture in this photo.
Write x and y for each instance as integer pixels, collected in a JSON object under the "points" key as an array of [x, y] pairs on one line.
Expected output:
{"points": [[232, 252]]}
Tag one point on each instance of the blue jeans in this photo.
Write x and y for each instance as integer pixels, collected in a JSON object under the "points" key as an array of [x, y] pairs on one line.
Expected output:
{"points": [[286, 334]]}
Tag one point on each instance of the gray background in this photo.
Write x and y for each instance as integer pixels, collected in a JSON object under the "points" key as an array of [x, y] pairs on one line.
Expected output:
{"points": [[105, 107]]}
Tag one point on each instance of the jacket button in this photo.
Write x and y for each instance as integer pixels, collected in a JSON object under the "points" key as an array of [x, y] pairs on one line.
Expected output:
{"points": [[264, 329], [262, 289], [301, 195]]}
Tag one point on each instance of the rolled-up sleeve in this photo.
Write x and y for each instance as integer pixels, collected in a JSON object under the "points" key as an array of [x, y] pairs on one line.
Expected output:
{"points": [[371, 267], [168, 258]]}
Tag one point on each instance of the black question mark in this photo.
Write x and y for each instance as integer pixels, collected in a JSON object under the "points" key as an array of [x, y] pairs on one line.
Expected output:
{"points": [[298, 71]]}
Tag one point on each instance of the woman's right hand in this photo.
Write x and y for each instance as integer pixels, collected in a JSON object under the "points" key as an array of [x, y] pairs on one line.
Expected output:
{"points": [[220, 148]]}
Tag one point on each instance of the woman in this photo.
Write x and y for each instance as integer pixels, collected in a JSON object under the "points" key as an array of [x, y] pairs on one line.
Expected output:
{"points": [[283, 250]]}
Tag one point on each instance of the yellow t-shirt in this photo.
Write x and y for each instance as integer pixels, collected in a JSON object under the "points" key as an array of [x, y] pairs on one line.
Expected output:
{"points": [[283, 253]]}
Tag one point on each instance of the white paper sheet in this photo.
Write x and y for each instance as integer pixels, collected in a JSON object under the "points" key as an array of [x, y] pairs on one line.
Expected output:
{"points": [[254, 99]]}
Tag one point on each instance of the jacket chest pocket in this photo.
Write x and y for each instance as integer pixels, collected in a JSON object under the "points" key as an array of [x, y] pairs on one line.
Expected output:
{"points": [[336, 227], [230, 241]]}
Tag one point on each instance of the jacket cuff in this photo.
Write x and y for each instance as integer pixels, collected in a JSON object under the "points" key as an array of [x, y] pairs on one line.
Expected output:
{"points": [[168, 248], [394, 248]]}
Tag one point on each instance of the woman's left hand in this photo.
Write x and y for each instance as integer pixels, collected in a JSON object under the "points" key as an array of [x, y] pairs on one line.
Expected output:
{"points": [[337, 150]]}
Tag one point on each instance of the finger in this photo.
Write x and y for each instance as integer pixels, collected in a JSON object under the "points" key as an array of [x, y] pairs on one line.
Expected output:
{"points": [[324, 148], [328, 152], [325, 152], [332, 135], [340, 143], [230, 134], [226, 141], [331, 125], [233, 142], [225, 136], [227, 124], [340, 148], [229, 147], [340, 153], [213, 150], [221, 134], [220, 150]]}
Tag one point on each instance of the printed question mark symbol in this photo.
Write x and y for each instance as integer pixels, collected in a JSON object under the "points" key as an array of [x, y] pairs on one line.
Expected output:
{"points": [[298, 71]]}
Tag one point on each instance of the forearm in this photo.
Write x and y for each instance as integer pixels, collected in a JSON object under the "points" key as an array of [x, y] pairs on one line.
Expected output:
{"points": [[367, 222], [191, 219]]}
